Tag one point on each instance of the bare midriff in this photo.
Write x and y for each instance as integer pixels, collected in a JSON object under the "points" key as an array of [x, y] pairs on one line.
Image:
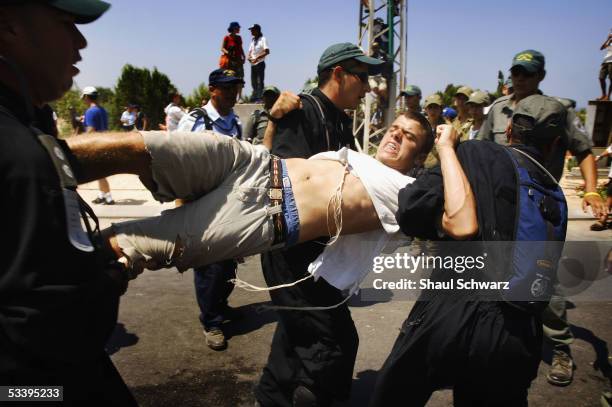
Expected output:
{"points": [[314, 182]]}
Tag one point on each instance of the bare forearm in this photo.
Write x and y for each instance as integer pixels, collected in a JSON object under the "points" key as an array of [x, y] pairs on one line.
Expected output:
{"points": [[588, 168], [269, 135], [459, 219], [104, 154]]}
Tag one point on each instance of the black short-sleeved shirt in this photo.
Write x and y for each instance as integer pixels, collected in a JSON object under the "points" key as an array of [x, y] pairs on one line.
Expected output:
{"points": [[491, 174], [301, 134], [57, 306], [489, 169]]}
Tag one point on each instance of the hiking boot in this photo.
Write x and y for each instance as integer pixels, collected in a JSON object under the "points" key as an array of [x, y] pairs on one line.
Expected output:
{"points": [[215, 338], [561, 369]]}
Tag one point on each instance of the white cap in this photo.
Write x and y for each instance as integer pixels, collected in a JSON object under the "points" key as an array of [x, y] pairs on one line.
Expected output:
{"points": [[89, 90]]}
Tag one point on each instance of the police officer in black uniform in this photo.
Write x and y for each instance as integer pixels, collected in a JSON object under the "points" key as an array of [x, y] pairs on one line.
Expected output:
{"points": [[58, 296], [313, 352]]}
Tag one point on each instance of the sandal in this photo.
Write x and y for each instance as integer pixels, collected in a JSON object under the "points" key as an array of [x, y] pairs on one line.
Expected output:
{"points": [[598, 226]]}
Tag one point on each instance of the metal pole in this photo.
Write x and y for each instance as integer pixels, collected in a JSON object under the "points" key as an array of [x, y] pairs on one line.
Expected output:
{"points": [[404, 41], [392, 85]]}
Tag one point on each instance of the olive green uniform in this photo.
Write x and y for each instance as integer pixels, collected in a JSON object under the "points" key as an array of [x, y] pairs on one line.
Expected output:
{"points": [[494, 129]]}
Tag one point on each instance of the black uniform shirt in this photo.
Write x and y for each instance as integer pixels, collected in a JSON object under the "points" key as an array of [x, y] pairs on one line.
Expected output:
{"points": [[300, 134], [57, 306], [492, 178]]}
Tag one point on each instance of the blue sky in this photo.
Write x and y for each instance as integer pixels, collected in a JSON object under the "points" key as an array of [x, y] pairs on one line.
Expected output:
{"points": [[463, 42]]}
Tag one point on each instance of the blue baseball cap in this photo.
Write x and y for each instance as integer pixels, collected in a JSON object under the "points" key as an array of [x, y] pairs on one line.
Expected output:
{"points": [[449, 112], [220, 76], [233, 24]]}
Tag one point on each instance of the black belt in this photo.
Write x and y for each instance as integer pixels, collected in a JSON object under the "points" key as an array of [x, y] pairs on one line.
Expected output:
{"points": [[276, 199]]}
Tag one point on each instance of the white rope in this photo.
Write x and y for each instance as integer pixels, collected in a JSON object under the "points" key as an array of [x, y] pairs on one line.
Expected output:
{"points": [[263, 308], [253, 288], [335, 201]]}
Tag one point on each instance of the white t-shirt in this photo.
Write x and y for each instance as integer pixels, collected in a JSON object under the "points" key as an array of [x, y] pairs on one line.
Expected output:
{"points": [[257, 48], [128, 118], [345, 263], [173, 116]]}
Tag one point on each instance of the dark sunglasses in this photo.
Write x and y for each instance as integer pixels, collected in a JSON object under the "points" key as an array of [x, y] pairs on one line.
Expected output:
{"points": [[522, 72], [363, 76]]}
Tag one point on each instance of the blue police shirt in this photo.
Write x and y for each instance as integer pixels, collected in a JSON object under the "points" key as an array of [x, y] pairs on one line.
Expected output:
{"points": [[227, 125]]}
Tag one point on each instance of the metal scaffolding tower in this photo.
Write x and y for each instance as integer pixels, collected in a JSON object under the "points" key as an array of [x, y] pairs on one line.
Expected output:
{"points": [[382, 34]]}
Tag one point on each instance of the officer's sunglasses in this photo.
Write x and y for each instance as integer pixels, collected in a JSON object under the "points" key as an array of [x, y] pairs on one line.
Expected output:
{"points": [[519, 71], [363, 76]]}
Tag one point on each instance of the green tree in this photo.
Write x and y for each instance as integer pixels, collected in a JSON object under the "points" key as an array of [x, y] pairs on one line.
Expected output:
{"points": [[157, 90], [195, 98], [140, 86], [71, 99], [500, 84], [447, 95]]}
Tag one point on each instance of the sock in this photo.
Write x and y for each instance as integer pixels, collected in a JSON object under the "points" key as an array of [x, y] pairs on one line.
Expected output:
{"points": [[108, 197]]}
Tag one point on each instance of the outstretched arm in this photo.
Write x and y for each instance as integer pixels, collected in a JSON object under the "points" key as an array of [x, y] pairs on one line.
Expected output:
{"points": [[459, 220], [103, 154]]}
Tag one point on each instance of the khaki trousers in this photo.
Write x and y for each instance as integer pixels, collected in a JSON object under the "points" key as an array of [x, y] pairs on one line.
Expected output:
{"points": [[229, 215]]}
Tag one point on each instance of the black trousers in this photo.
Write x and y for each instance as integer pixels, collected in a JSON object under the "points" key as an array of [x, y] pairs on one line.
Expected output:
{"points": [[257, 80], [314, 349], [212, 290], [488, 352]]}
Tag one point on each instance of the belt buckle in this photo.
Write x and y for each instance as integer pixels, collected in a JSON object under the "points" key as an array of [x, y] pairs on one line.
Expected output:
{"points": [[275, 194]]}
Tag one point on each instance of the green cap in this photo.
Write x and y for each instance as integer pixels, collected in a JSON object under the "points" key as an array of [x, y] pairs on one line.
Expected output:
{"points": [[464, 90], [539, 117], [411, 90], [531, 60], [85, 11], [272, 89], [337, 53], [479, 98], [434, 99]]}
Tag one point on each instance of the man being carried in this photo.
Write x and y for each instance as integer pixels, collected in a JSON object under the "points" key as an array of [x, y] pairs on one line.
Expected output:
{"points": [[246, 201]]}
